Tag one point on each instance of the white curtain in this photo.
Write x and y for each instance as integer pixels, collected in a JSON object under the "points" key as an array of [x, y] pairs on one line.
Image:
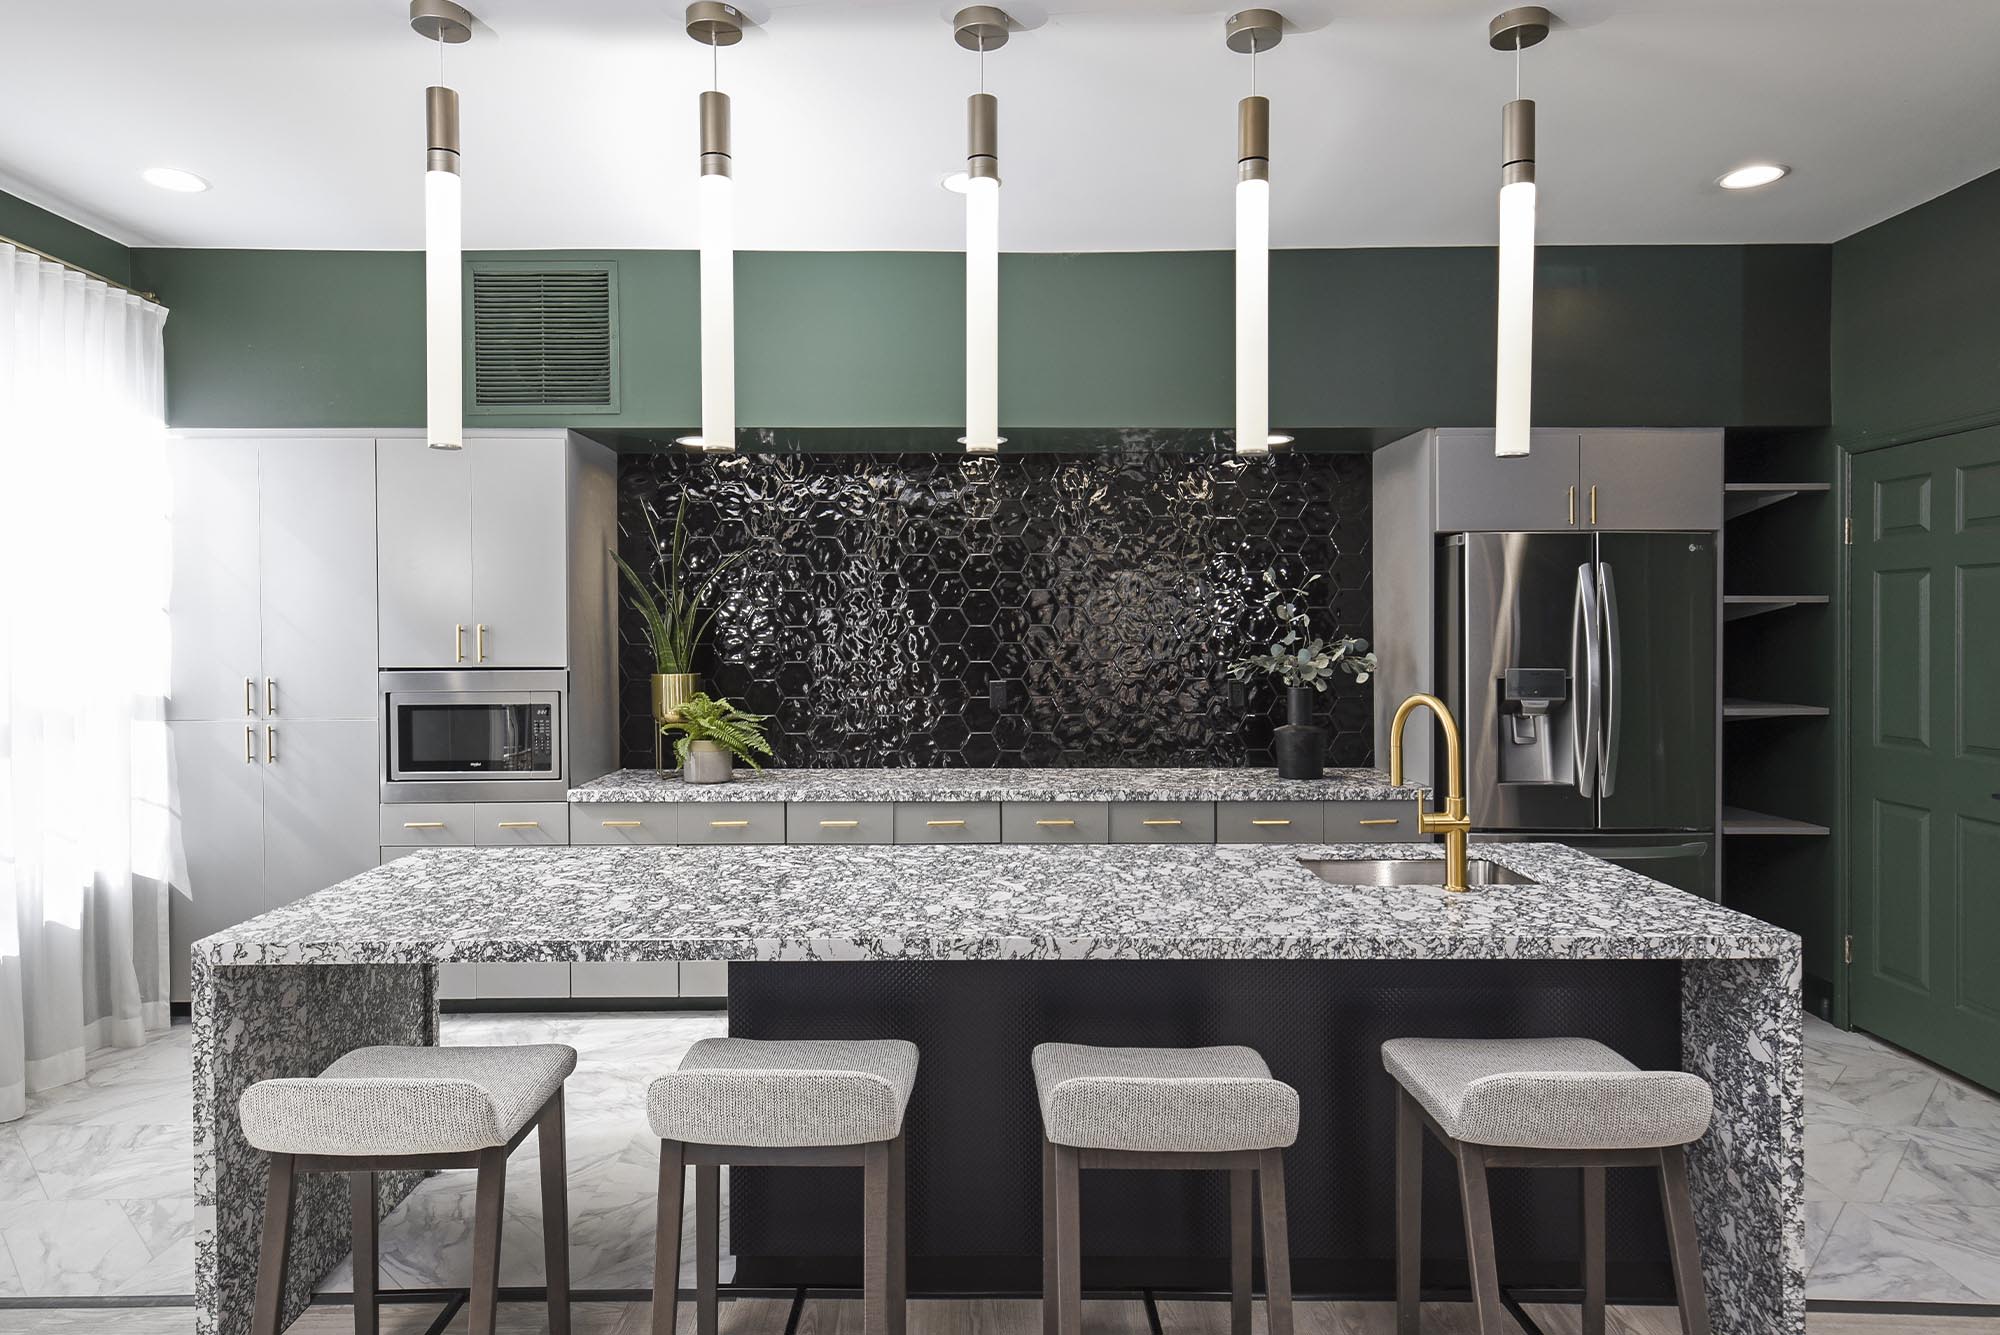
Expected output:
{"points": [[86, 831]]}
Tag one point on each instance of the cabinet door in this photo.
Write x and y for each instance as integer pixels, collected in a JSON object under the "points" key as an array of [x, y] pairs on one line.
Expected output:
{"points": [[213, 604], [222, 825], [1667, 480], [316, 501], [1478, 493], [423, 516], [321, 815], [519, 549]]}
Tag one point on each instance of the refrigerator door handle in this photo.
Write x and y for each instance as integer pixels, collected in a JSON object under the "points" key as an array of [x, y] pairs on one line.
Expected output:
{"points": [[1583, 668], [1613, 702]]}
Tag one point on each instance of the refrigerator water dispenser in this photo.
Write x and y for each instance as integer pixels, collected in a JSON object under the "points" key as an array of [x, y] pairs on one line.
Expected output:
{"points": [[1527, 717]]}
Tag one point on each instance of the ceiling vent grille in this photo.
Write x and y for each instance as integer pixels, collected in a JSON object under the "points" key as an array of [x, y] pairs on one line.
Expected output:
{"points": [[544, 338]]}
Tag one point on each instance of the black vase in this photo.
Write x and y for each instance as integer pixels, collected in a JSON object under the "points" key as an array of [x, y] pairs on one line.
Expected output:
{"points": [[1300, 746]]}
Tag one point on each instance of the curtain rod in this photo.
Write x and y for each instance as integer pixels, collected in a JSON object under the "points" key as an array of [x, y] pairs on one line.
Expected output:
{"points": [[153, 297]]}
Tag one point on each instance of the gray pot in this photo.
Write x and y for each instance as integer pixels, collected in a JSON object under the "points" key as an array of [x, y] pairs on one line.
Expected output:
{"points": [[707, 762]]}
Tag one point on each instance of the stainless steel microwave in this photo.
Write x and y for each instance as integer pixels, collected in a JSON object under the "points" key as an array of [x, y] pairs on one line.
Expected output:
{"points": [[480, 735]]}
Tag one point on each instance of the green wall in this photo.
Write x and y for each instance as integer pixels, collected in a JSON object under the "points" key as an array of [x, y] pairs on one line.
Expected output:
{"points": [[58, 236], [1668, 335]]}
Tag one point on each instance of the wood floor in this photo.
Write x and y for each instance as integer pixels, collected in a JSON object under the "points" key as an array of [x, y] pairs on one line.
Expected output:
{"points": [[1005, 1316]]}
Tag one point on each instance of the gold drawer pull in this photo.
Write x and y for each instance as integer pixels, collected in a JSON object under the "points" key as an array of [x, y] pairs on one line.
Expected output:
{"points": [[423, 825], [945, 824], [729, 824], [1271, 822], [520, 825], [1160, 822], [1057, 823], [623, 824], [1384, 820], [840, 825]]}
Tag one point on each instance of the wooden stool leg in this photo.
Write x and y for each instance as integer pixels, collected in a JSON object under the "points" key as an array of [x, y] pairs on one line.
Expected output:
{"points": [[367, 1255], [667, 1236], [1593, 1251], [1409, 1214], [278, 1194], [875, 1239], [1069, 1242], [899, 1279], [1050, 1242], [488, 1212], [707, 1246], [1683, 1241], [1277, 1242], [555, 1212], [1242, 1231], [1479, 1240]]}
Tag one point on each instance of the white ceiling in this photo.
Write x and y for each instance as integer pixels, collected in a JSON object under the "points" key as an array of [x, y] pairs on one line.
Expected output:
{"points": [[1117, 120]]}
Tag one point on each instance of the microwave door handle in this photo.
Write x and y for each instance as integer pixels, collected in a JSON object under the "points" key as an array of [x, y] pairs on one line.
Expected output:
{"points": [[1583, 681], [1614, 678]]}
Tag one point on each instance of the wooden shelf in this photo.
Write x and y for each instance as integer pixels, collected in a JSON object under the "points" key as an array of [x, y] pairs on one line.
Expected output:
{"points": [[1748, 709], [1740, 498], [1741, 820], [1736, 606]]}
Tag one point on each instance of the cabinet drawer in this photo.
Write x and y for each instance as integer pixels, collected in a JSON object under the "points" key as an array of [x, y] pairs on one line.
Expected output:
{"points": [[1055, 822], [536, 979], [840, 823], [625, 978], [732, 822], [704, 978], [1163, 822], [947, 822], [508, 824], [1371, 822], [621, 823], [1270, 822], [457, 982], [427, 824]]}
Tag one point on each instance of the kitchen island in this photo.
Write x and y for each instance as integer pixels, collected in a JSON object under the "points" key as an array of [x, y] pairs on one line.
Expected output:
{"points": [[976, 952]]}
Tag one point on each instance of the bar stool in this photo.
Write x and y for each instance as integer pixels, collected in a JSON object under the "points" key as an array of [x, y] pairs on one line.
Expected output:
{"points": [[388, 1109], [1164, 1108], [759, 1102], [1536, 1103]]}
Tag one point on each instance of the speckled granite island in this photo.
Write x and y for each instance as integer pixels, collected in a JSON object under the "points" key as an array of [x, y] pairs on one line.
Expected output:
{"points": [[977, 952]]}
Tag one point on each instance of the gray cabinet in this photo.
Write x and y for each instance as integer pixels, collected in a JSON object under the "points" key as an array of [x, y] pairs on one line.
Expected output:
{"points": [[1055, 822], [1604, 478], [423, 551], [622, 823], [1163, 822], [214, 599], [1657, 480], [840, 823], [316, 554], [220, 767], [947, 822], [1270, 822], [1477, 492], [320, 821]]}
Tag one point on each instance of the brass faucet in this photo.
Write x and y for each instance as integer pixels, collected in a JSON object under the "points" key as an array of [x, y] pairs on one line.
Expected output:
{"points": [[1452, 822]]}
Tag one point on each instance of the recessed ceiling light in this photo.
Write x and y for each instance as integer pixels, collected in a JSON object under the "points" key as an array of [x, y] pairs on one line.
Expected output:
{"points": [[173, 178], [956, 182], [1752, 176]]}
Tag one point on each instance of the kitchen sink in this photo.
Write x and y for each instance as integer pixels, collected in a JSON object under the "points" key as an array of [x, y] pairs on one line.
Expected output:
{"points": [[1408, 871]]}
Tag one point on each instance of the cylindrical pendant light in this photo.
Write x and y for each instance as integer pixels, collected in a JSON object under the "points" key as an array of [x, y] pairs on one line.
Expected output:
{"points": [[1253, 31], [444, 338], [982, 28], [716, 25], [1514, 350]]}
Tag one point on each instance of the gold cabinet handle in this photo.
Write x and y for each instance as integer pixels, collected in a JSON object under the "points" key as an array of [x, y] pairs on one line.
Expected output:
{"points": [[249, 697], [458, 643], [1259, 821], [270, 745], [249, 741], [1160, 822], [520, 825], [623, 824], [840, 825], [423, 825], [729, 824], [270, 695], [1056, 823], [1572, 505], [1593, 503], [945, 824], [479, 642], [1384, 820]]}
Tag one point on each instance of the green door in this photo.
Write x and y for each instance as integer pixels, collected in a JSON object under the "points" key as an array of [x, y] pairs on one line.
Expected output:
{"points": [[1924, 735]]}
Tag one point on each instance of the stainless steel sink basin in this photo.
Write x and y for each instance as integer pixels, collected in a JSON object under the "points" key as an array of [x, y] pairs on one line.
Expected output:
{"points": [[1408, 871]]}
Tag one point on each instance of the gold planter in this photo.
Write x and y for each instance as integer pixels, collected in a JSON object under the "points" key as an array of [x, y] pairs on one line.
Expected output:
{"points": [[671, 690]]}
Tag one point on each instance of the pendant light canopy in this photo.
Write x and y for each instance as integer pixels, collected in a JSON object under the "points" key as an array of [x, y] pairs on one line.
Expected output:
{"points": [[716, 25], [1253, 31], [1514, 356], [982, 28], [444, 23]]}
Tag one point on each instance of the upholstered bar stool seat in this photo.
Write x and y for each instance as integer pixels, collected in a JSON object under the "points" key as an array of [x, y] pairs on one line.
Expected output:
{"points": [[1542, 1103], [782, 1103], [1164, 1108], [384, 1109]]}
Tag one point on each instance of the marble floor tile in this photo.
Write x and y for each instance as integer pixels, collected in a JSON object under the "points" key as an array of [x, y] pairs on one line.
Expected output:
{"points": [[1889, 1091], [1961, 1106], [1946, 1165], [115, 1162], [1850, 1161], [1900, 1252], [1820, 1217], [17, 1175], [73, 1248]]}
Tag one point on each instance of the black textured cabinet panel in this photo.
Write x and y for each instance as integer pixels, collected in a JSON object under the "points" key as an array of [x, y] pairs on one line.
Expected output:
{"points": [[1037, 609]]}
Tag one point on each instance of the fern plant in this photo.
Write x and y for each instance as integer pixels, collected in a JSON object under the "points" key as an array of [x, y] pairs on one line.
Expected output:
{"points": [[675, 622], [706, 719]]}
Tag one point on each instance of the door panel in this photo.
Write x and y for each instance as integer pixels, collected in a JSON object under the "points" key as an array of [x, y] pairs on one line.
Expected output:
{"points": [[1659, 710], [423, 516], [519, 552], [317, 536], [215, 579], [1477, 492], [321, 813], [1924, 739], [221, 804], [1653, 479]]}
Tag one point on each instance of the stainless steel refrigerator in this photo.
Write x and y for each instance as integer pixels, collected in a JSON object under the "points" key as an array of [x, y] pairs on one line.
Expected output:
{"points": [[1582, 669]]}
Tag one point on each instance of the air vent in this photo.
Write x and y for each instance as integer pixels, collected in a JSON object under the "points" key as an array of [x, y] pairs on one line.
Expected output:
{"points": [[544, 338]]}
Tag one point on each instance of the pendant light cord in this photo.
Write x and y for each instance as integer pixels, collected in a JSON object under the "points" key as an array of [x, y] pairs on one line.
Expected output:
{"points": [[982, 62], [1517, 65], [440, 42], [1253, 65]]}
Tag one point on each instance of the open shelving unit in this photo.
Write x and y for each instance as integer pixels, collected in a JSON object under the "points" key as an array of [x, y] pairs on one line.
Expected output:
{"points": [[1736, 606], [1740, 498]]}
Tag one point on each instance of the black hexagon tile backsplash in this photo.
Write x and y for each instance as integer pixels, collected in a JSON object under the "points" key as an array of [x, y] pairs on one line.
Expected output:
{"points": [[1036, 609]]}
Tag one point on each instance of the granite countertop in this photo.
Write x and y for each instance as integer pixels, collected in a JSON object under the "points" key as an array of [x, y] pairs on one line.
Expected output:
{"points": [[783, 902], [999, 785]]}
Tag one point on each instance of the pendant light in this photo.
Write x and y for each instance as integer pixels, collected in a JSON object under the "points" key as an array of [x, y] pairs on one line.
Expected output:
{"points": [[716, 25], [1253, 31], [1514, 349], [446, 24], [982, 28]]}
